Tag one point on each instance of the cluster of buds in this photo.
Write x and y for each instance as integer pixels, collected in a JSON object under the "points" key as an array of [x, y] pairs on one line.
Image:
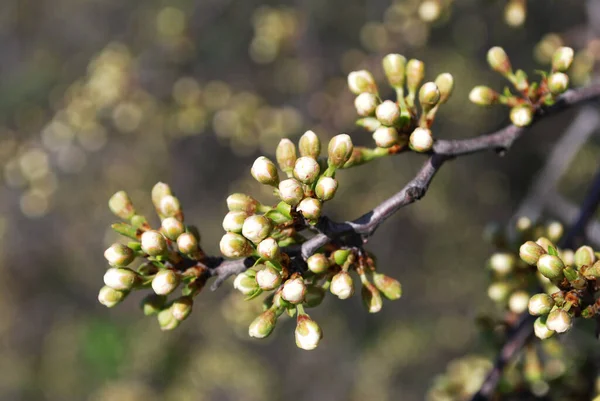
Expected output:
{"points": [[397, 123], [462, 379], [170, 257], [530, 97]]}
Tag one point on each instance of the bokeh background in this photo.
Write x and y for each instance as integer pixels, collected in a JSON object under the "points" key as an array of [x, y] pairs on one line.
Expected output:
{"points": [[102, 95]]}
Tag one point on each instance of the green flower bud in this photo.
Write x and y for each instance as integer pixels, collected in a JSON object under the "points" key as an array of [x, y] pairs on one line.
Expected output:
{"points": [[429, 96], [166, 320], [169, 206], [558, 83], [294, 290], [445, 84], [318, 263], [119, 255], [264, 171], [110, 297], [342, 285], [502, 263], [483, 96], [340, 256], [545, 243], [415, 72], [394, 66], [385, 137], [153, 243], [361, 81], [584, 256], [263, 325], [286, 155], [518, 301], [339, 150], [562, 59], [499, 291], [308, 333], [310, 208], [159, 191], [326, 188], [388, 113], [268, 249], [181, 308], [306, 170], [121, 205], [245, 284], [234, 221], [365, 104], [187, 243], [268, 278], [389, 287], [591, 272], [256, 228], [559, 321], [172, 228], [242, 202], [290, 191], [575, 278], [540, 328], [310, 145], [165, 282], [540, 304], [152, 304], [499, 61], [530, 252], [233, 245], [551, 267], [521, 116], [119, 278], [314, 296], [371, 297], [369, 123], [421, 140]]}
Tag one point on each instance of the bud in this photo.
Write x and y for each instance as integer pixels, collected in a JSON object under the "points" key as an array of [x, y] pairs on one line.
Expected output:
{"points": [[308, 333], [165, 282], [268, 278], [445, 84], [120, 278], [483, 96], [310, 208], [153, 303], [187, 243], [540, 304], [371, 297], [521, 116], [369, 123], [421, 140], [306, 170], [429, 96], [153, 243], [119, 255], [540, 329], [498, 291], [415, 72], [169, 206], [385, 137], [361, 81], [545, 243], [530, 252], [562, 59], [584, 256], [318, 263], [554, 230], [263, 325], [518, 301], [340, 256], [394, 66], [499, 61], [268, 249], [159, 191], [567, 256], [558, 83], [181, 308], [365, 104], [172, 228], [314, 296], [233, 245], [559, 321], [310, 145], [166, 320], [286, 155], [575, 278], [551, 267], [264, 171], [242, 203], [502, 263], [326, 188], [339, 150], [245, 284], [234, 221], [515, 13], [290, 191], [121, 205], [388, 113], [110, 297], [342, 285], [294, 290], [389, 287], [256, 228]]}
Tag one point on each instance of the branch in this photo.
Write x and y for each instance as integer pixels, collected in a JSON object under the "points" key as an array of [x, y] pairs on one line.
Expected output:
{"points": [[562, 208]]}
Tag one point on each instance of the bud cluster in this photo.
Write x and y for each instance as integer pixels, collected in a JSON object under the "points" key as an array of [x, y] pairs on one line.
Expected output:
{"points": [[531, 96]]}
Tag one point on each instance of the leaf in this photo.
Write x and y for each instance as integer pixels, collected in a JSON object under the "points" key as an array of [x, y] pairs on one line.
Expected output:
{"points": [[256, 293], [552, 251], [125, 229]]}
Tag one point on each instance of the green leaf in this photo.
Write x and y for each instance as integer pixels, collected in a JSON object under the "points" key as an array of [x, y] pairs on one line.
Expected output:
{"points": [[253, 295], [552, 251], [125, 229]]}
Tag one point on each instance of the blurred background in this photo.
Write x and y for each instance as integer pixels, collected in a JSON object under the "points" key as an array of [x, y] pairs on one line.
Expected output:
{"points": [[102, 95]]}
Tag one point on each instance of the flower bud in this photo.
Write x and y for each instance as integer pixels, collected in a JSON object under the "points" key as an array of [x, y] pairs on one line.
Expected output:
{"points": [[483, 96], [502, 263], [318, 263], [545, 243], [120, 278], [385, 137], [530, 252], [388, 113], [551, 267], [286, 155], [361, 81], [584, 256], [308, 333], [165, 282], [310, 145], [264, 171], [172, 228], [256, 228], [389, 287], [515, 13], [558, 83], [245, 284], [234, 221], [429, 96], [562, 59], [415, 72], [521, 116], [371, 297], [268, 278], [518, 301], [187, 243], [326, 188], [290, 191], [294, 290], [181, 308], [499, 61], [169, 206], [554, 230], [159, 191], [567, 256], [540, 304], [540, 329], [421, 139], [498, 291], [342, 285], [394, 66], [268, 249], [369, 123], [445, 84], [314, 296], [166, 320], [153, 303], [242, 203], [340, 256], [339, 150], [119, 255], [559, 321], [153, 243], [110, 297], [365, 104], [263, 325], [430, 10], [121, 205], [310, 208], [306, 170], [234, 245]]}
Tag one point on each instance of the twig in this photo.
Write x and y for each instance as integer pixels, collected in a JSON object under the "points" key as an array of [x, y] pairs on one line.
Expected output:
{"points": [[562, 208]]}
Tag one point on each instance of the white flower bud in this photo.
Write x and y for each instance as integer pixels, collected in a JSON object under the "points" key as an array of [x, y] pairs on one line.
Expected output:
{"points": [[342, 285], [326, 188], [110, 297], [181, 308], [245, 284], [502, 263], [388, 113], [318, 263], [365, 104], [310, 208], [361, 81], [119, 255], [256, 228], [169, 206], [308, 333], [263, 325], [385, 137], [294, 290], [306, 170], [153, 243], [234, 221], [264, 171], [558, 83], [540, 304], [521, 116], [165, 282], [121, 205], [310, 145], [268, 278], [518, 301], [172, 228], [121, 279], [559, 321], [242, 202], [339, 150], [187, 243], [233, 245], [268, 249], [290, 191], [421, 139], [540, 328]]}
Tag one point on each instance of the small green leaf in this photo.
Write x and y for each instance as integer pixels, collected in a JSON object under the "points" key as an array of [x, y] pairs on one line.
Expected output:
{"points": [[552, 251], [125, 229], [256, 293]]}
